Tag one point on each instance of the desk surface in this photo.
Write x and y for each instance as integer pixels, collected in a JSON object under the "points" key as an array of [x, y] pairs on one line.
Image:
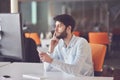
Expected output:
{"points": [[24, 71], [2, 64]]}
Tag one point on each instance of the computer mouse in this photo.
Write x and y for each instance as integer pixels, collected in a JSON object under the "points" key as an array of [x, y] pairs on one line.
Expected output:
{"points": [[6, 76]]}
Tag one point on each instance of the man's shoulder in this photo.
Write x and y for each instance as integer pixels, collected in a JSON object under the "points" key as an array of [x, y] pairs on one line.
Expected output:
{"points": [[81, 40]]}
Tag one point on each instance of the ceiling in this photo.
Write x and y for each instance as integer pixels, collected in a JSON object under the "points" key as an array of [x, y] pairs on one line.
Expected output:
{"points": [[69, 0]]}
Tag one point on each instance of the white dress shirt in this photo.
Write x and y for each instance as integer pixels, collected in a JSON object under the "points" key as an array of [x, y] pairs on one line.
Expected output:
{"points": [[75, 59]]}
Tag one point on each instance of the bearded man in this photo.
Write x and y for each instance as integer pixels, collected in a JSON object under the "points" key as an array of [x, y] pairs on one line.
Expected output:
{"points": [[67, 52]]}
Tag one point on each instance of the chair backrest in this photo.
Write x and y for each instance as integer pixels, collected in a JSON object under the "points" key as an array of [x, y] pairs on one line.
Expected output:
{"points": [[77, 33], [98, 37], [98, 55], [34, 36], [31, 54]]}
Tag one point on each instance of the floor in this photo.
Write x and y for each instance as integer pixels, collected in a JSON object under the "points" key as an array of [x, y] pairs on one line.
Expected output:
{"points": [[113, 60]]}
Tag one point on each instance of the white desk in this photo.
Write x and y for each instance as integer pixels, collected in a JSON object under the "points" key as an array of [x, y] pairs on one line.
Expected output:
{"points": [[17, 70], [2, 64]]}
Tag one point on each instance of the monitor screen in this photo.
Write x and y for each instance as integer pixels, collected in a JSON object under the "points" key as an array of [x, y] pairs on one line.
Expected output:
{"points": [[11, 43]]}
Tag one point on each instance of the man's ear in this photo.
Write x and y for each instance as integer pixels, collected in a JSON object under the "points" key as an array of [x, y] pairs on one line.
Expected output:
{"points": [[69, 28]]}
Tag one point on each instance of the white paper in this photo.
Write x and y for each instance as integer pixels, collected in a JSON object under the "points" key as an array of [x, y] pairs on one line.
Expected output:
{"points": [[34, 77], [40, 49]]}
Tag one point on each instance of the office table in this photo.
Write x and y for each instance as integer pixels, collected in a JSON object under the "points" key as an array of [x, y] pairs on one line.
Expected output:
{"points": [[2, 64], [34, 71]]}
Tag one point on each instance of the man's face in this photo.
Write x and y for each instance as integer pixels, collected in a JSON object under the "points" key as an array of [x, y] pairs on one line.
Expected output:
{"points": [[60, 30]]}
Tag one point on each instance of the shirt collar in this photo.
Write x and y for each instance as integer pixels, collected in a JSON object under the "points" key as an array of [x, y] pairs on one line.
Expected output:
{"points": [[71, 43]]}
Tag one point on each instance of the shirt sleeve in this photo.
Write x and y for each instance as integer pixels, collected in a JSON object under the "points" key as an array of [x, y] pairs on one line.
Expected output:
{"points": [[47, 66]]}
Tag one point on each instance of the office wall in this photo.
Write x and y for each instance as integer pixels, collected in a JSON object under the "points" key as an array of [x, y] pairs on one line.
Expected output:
{"points": [[42, 16], [25, 10]]}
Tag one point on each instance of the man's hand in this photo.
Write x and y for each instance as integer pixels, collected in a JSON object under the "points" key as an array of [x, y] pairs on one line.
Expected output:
{"points": [[53, 43], [45, 57]]}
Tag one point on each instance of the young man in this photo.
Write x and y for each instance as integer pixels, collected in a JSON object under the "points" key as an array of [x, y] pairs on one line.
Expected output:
{"points": [[68, 53]]}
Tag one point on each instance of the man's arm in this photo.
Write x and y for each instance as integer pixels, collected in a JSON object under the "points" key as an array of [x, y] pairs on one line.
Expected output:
{"points": [[82, 64], [79, 66]]}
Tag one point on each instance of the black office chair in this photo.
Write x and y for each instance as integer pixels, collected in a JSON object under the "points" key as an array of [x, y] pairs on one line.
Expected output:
{"points": [[31, 54]]}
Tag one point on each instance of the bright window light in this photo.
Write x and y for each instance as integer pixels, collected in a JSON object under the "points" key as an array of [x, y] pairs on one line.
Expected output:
{"points": [[34, 12]]}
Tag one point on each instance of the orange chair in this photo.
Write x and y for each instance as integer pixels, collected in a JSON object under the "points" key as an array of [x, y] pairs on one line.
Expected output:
{"points": [[34, 36], [76, 33], [98, 55], [98, 37], [27, 35]]}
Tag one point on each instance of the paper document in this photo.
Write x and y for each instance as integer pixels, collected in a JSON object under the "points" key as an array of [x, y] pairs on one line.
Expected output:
{"points": [[40, 49], [34, 77]]}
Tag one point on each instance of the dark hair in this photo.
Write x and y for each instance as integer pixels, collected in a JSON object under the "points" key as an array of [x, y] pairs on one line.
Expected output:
{"points": [[66, 19]]}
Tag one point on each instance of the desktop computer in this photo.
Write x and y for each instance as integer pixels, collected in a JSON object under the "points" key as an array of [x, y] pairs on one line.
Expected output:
{"points": [[11, 36]]}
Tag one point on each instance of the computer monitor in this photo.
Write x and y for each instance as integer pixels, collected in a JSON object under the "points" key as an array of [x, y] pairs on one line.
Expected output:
{"points": [[11, 36]]}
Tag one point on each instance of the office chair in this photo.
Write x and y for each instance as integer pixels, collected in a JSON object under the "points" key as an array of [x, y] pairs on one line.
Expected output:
{"points": [[98, 55], [31, 54], [35, 37], [98, 37], [77, 33]]}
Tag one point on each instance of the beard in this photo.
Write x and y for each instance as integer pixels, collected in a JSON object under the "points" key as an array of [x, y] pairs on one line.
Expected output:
{"points": [[62, 35]]}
